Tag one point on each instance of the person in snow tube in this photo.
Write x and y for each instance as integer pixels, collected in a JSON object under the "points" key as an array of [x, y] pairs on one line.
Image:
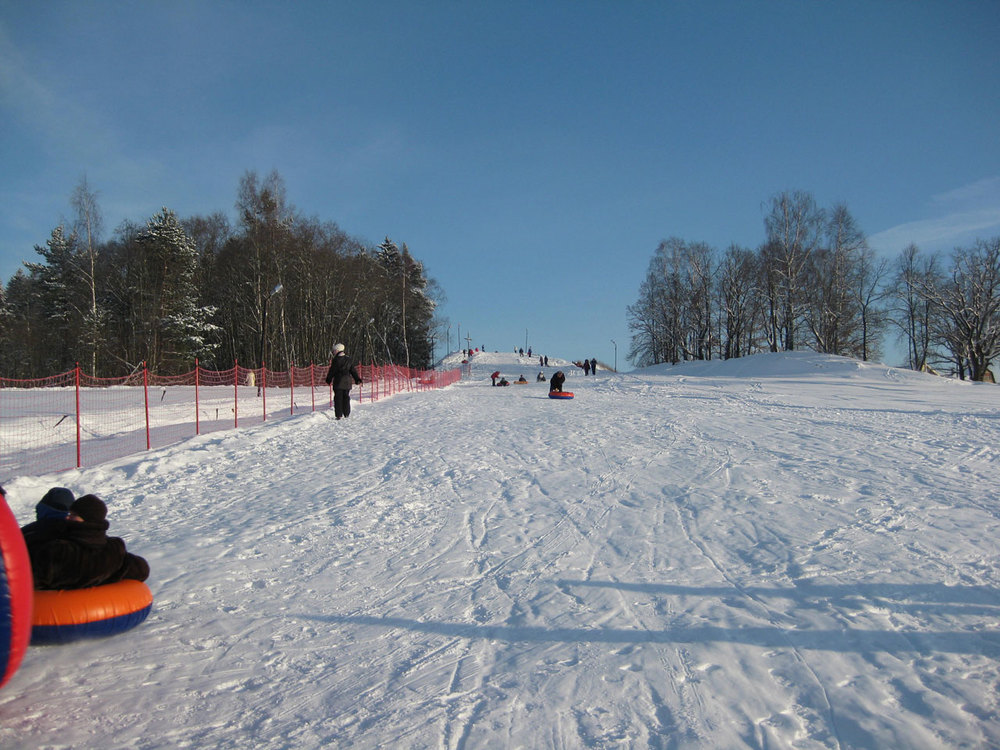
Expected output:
{"points": [[51, 518], [557, 381], [342, 373], [77, 553]]}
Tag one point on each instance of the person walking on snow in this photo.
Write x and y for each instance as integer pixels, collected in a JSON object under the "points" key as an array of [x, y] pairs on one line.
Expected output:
{"points": [[342, 376]]}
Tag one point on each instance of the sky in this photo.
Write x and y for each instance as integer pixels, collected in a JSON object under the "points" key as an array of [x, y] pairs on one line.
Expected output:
{"points": [[531, 155]]}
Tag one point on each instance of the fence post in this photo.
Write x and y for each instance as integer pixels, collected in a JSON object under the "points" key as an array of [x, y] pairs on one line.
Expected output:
{"points": [[78, 416], [312, 384], [236, 392], [263, 377], [197, 410], [145, 397], [291, 389]]}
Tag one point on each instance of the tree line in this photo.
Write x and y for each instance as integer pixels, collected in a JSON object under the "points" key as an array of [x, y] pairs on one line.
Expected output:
{"points": [[816, 283], [275, 288]]}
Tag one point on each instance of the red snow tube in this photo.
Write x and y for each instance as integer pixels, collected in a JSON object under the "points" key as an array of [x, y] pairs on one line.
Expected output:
{"points": [[16, 588], [72, 614], [560, 394]]}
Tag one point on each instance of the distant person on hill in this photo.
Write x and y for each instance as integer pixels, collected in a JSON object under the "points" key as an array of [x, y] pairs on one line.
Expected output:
{"points": [[494, 377], [593, 365], [540, 378], [82, 554], [586, 367], [546, 360], [342, 376], [556, 384]]}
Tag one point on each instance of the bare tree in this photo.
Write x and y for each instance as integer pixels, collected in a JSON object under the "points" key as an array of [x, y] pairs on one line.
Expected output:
{"points": [[870, 291], [88, 226], [739, 300], [911, 310], [794, 229], [967, 303]]}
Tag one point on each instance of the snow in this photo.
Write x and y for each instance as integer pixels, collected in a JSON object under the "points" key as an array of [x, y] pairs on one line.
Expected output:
{"points": [[782, 551]]}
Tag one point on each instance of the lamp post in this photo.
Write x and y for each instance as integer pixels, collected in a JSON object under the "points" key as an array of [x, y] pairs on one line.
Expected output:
{"points": [[616, 354], [263, 332]]}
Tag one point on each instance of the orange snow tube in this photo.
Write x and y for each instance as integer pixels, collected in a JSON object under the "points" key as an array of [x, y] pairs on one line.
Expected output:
{"points": [[72, 614]]}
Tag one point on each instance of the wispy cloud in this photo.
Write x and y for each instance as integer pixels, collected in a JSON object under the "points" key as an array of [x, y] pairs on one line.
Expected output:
{"points": [[960, 216], [60, 120]]}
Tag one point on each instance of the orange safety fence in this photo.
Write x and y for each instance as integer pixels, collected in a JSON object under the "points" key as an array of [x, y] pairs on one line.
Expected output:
{"points": [[73, 420]]}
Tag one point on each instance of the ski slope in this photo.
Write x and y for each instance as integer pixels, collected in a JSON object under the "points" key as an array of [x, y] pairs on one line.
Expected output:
{"points": [[782, 551]]}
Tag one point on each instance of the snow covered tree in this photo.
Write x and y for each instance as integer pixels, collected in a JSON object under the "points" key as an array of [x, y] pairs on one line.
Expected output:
{"points": [[174, 329], [61, 293], [20, 356]]}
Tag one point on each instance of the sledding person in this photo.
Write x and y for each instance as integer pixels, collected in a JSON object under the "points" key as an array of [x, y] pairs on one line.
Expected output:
{"points": [[51, 517], [557, 381], [84, 555], [494, 376], [342, 375]]}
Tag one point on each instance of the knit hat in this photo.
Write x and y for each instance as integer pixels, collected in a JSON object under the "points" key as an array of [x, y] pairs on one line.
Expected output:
{"points": [[338, 348], [90, 508], [54, 504]]}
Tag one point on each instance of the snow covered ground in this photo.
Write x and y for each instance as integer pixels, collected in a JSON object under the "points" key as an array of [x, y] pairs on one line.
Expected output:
{"points": [[782, 551]]}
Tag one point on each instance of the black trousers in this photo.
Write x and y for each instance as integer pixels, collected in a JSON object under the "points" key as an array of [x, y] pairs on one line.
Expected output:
{"points": [[341, 402]]}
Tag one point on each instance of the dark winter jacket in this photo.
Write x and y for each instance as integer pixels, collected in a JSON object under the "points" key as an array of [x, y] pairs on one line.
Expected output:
{"points": [[343, 374], [78, 554], [557, 381]]}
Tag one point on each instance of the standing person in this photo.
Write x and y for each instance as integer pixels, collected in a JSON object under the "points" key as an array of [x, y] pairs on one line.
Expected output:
{"points": [[593, 366], [586, 367], [494, 376], [342, 376]]}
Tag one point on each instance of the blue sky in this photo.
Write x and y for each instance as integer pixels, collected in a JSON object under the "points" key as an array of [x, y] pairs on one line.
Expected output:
{"points": [[531, 154]]}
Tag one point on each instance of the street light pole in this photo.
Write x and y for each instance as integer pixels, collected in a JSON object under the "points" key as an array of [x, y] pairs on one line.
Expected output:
{"points": [[263, 333], [616, 354]]}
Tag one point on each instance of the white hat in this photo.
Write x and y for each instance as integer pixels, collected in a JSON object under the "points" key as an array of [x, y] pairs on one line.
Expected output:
{"points": [[338, 348]]}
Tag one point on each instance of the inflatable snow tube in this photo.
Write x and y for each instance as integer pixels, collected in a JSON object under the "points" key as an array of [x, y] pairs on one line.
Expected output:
{"points": [[73, 614], [16, 594], [561, 394]]}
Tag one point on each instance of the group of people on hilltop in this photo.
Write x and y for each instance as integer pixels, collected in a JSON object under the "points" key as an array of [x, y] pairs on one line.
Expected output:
{"points": [[69, 547], [589, 366]]}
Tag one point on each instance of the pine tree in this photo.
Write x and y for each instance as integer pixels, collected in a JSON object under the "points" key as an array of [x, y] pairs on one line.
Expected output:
{"points": [[177, 329], [61, 297]]}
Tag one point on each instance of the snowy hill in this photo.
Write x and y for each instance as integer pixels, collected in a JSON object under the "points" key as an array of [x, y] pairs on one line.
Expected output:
{"points": [[782, 551]]}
